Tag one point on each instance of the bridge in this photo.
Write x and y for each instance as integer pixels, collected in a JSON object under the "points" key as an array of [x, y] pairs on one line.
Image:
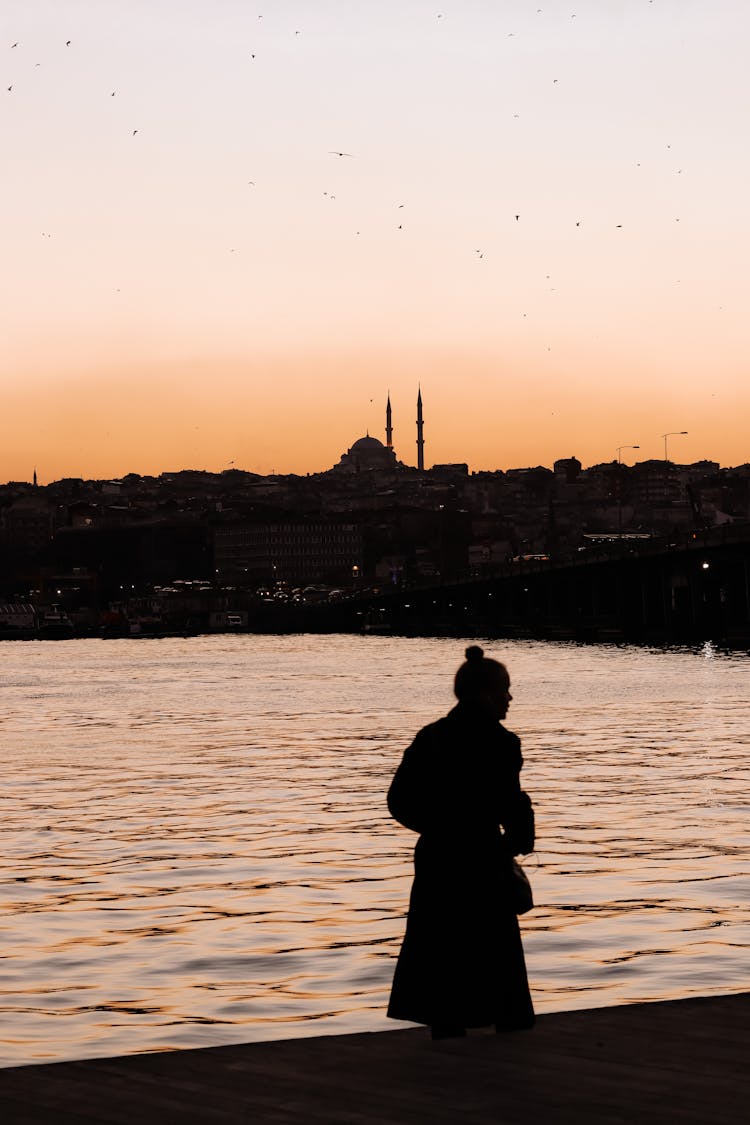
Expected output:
{"points": [[693, 587]]}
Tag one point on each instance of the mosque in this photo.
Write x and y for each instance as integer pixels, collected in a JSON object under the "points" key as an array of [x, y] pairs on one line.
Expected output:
{"points": [[368, 454]]}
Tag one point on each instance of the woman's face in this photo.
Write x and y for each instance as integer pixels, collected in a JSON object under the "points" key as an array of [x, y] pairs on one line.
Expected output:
{"points": [[497, 698]]}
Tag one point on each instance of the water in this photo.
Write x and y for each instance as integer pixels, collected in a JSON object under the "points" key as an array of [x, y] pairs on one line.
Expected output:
{"points": [[196, 850]]}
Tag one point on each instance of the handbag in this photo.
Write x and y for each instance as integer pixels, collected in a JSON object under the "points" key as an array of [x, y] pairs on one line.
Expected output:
{"points": [[521, 894]]}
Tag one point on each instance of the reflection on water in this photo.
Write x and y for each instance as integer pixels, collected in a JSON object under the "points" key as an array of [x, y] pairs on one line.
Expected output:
{"points": [[196, 848]]}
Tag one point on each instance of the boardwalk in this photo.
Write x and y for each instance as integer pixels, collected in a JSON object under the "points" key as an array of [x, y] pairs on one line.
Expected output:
{"points": [[682, 1061]]}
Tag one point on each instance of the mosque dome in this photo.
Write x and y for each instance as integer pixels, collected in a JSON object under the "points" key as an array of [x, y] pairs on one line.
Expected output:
{"points": [[367, 444], [366, 454]]}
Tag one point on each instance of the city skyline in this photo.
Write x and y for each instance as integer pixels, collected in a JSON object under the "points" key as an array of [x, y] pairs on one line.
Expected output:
{"points": [[627, 456], [382, 455], [235, 227]]}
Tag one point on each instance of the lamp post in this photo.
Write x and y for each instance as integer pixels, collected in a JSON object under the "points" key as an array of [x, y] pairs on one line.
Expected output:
{"points": [[619, 487], [672, 433]]}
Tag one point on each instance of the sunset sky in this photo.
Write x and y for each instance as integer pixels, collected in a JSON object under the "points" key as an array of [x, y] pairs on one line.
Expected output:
{"points": [[543, 221]]}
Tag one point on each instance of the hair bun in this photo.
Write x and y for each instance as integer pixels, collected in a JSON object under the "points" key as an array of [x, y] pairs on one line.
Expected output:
{"points": [[474, 653]]}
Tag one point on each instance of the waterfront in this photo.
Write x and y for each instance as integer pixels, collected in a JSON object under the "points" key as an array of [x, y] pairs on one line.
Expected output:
{"points": [[198, 850]]}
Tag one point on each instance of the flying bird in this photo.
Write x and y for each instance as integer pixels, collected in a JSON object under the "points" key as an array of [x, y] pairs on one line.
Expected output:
{"points": [[13, 45], [517, 217], [134, 132], [332, 152], [68, 42]]}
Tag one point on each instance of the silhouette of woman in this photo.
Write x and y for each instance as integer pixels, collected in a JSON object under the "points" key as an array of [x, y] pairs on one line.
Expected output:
{"points": [[461, 962]]}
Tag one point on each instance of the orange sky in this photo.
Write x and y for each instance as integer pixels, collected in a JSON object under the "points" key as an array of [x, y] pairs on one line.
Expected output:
{"points": [[264, 418], [219, 287]]}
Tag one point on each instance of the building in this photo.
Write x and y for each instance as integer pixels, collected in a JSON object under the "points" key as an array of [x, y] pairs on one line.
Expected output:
{"points": [[656, 483], [367, 454], [28, 525], [287, 550], [567, 469]]}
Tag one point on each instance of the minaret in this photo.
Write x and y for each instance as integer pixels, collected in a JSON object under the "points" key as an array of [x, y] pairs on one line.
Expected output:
{"points": [[35, 484], [420, 427], [388, 426]]}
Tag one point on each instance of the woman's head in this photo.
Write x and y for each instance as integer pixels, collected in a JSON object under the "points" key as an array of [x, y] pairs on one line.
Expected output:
{"points": [[484, 681]]}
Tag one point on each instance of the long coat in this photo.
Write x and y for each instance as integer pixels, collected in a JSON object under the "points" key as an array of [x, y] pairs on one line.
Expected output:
{"points": [[461, 963]]}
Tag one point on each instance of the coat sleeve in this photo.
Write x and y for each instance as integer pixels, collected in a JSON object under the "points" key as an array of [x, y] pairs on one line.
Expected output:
{"points": [[517, 813], [406, 796], [519, 825]]}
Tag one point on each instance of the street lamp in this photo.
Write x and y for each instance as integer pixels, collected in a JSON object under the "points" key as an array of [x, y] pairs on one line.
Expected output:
{"points": [[672, 433], [621, 447]]}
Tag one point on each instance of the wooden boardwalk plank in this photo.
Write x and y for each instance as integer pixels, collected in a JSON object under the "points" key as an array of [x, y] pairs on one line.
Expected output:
{"points": [[680, 1061]]}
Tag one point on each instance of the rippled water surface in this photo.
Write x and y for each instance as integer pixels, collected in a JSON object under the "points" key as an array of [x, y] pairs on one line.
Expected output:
{"points": [[196, 849]]}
